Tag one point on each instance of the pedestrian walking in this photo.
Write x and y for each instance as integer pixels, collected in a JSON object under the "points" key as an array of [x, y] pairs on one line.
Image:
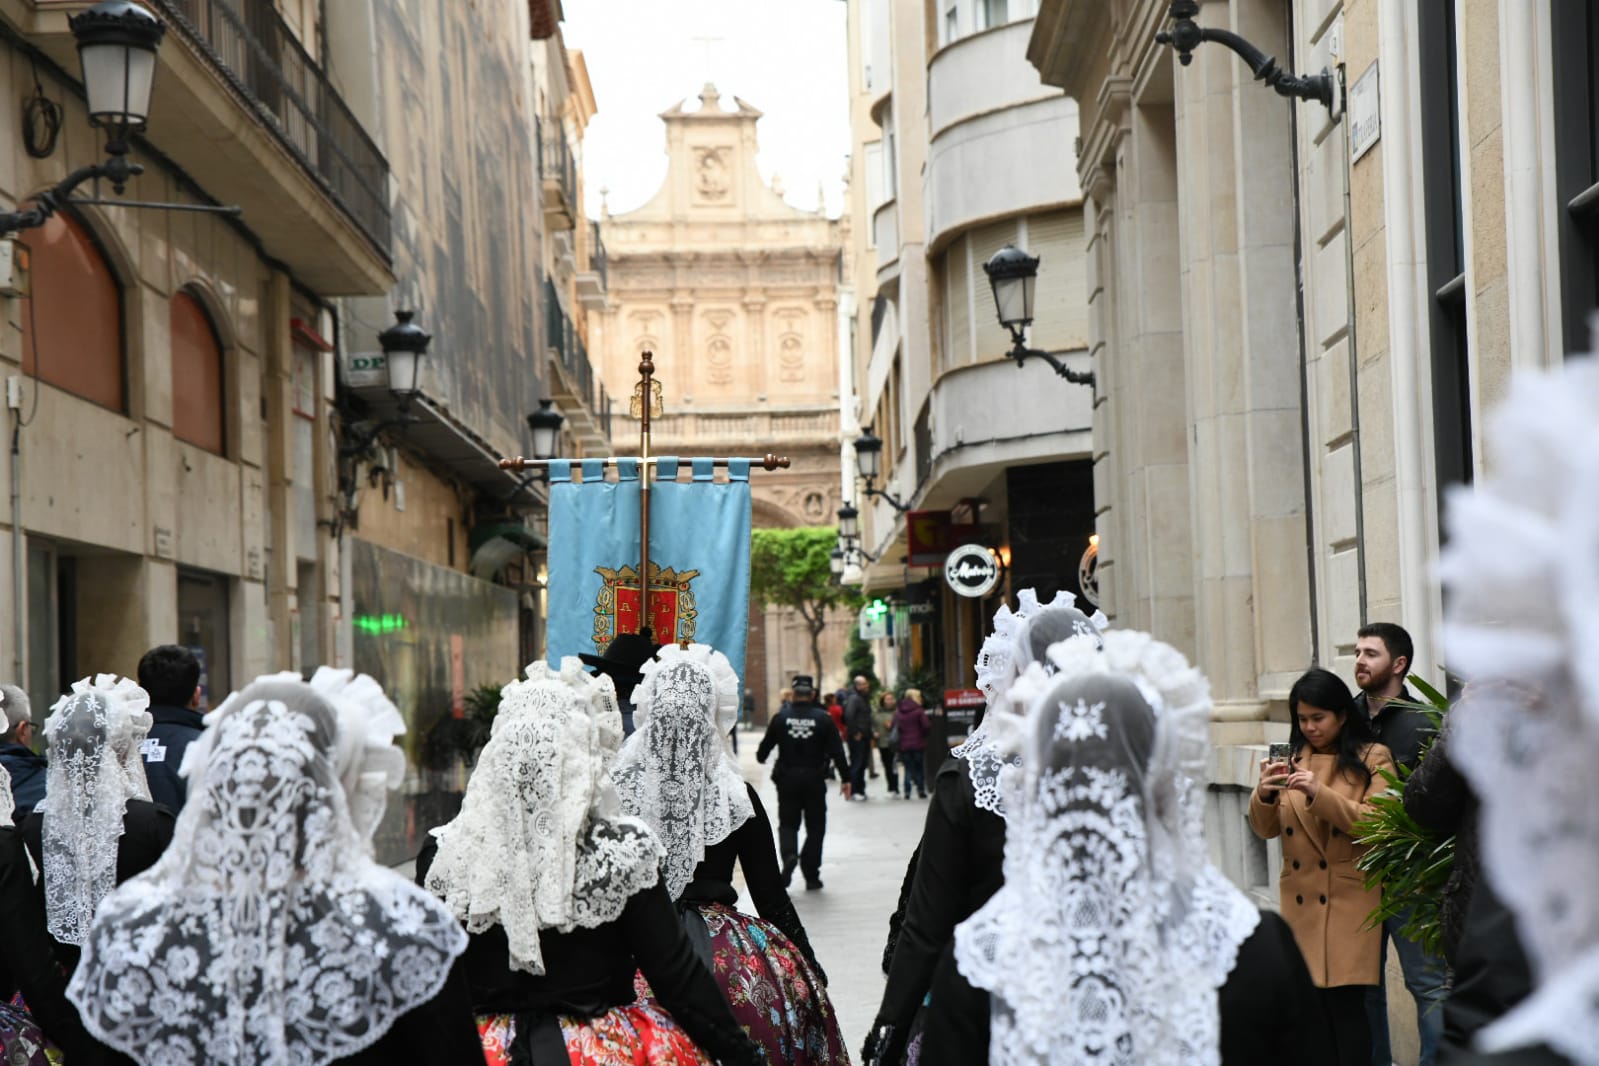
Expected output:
{"points": [[807, 745], [835, 711], [887, 739], [858, 734], [1114, 939], [675, 775], [267, 933], [170, 673], [1383, 654], [563, 898], [958, 864], [24, 766], [911, 721], [1312, 802]]}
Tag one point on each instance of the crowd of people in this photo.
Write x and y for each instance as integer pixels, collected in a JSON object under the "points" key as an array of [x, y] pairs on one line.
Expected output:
{"points": [[1061, 906]]}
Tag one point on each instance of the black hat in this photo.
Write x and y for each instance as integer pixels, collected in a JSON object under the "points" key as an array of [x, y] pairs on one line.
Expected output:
{"points": [[803, 681], [623, 657]]}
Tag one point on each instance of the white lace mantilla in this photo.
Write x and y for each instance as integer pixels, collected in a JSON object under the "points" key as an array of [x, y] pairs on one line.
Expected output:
{"points": [[1113, 932], [93, 733], [676, 772], [1521, 574], [265, 934], [536, 845], [1005, 653], [8, 802]]}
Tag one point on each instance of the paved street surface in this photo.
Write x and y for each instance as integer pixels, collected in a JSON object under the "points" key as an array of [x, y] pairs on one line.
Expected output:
{"points": [[868, 845]]}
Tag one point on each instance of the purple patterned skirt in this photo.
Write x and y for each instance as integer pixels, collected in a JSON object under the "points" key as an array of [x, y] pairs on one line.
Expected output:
{"points": [[22, 1042]]}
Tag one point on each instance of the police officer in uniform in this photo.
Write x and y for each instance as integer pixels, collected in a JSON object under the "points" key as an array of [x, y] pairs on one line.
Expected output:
{"points": [[805, 739]]}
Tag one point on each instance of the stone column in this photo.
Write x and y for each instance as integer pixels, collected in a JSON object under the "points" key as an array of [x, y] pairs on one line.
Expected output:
{"points": [[754, 358], [277, 385], [683, 354], [1241, 351]]}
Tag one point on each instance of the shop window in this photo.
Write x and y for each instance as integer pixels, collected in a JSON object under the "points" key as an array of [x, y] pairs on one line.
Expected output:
{"points": [[197, 382], [73, 322]]}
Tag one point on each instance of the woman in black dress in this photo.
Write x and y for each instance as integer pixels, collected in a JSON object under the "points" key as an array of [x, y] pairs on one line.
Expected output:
{"points": [[958, 864], [97, 825], [1114, 940], [563, 898], [266, 933], [677, 775]]}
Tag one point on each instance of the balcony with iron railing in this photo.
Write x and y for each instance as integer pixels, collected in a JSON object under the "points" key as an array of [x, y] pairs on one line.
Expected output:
{"points": [[243, 109], [557, 175], [593, 279], [576, 386]]}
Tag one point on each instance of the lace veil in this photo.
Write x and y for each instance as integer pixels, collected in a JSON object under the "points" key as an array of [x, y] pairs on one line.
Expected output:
{"points": [[1521, 575], [265, 933], [93, 735], [1113, 931], [675, 772], [1019, 638], [8, 802], [537, 845]]}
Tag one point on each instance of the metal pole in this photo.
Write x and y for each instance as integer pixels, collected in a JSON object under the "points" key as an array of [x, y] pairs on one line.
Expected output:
{"points": [[769, 461], [646, 369]]}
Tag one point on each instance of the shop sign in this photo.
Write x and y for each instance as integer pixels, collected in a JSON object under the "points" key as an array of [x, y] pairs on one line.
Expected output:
{"points": [[364, 369], [963, 697], [971, 570], [874, 621], [927, 537]]}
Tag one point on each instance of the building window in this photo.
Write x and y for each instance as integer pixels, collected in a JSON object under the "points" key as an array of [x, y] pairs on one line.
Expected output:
{"points": [[1576, 100], [73, 321], [991, 13], [197, 382], [1446, 261], [952, 23]]}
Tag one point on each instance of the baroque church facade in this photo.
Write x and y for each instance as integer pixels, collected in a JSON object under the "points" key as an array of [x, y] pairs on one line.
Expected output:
{"points": [[737, 295]]}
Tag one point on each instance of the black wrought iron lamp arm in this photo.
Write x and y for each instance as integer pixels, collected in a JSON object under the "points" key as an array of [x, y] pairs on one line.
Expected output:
{"points": [[886, 497], [1021, 353], [117, 170], [357, 445], [1185, 35]]}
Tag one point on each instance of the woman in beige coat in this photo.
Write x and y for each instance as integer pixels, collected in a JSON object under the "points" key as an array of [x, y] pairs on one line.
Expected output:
{"points": [[1312, 801]]}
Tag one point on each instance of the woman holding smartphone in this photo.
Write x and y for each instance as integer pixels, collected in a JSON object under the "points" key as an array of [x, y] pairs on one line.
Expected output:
{"points": [[1312, 801]]}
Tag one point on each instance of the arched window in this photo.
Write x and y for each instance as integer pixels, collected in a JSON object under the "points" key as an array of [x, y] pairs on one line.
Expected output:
{"points": [[76, 309], [197, 396]]}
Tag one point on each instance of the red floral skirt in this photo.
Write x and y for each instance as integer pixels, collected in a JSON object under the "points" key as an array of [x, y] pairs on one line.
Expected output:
{"points": [[774, 992], [640, 1034]]}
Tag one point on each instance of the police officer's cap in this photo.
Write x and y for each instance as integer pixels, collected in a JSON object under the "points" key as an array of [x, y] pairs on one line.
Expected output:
{"points": [[803, 683]]}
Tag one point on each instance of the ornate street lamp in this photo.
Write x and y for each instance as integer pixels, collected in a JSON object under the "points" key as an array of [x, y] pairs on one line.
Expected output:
{"points": [[1012, 274], [546, 426], [835, 563], [849, 522], [405, 346], [117, 43], [869, 463]]}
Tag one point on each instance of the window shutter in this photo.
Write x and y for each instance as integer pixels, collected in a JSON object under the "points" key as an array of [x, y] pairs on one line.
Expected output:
{"points": [[1060, 304]]}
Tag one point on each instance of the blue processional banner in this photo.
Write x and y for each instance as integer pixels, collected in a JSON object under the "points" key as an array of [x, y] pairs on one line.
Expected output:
{"points": [[699, 581]]}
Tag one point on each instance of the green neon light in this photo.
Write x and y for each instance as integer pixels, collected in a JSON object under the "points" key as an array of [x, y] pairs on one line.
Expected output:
{"points": [[876, 609], [378, 624]]}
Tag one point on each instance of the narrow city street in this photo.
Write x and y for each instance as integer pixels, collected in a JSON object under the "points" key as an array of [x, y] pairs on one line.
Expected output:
{"points": [[863, 865]]}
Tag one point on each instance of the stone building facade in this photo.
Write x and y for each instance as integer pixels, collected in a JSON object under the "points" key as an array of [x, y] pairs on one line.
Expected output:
{"points": [[958, 150], [737, 295], [1300, 319]]}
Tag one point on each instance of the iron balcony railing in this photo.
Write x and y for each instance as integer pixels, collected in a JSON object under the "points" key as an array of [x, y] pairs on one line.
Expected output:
{"points": [[255, 50], [556, 162], [563, 340]]}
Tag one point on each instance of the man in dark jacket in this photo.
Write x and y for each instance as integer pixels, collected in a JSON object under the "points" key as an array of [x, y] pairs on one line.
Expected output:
{"points": [[623, 660], [171, 675], [25, 765], [1383, 653], [806, 742], [858, 728]]}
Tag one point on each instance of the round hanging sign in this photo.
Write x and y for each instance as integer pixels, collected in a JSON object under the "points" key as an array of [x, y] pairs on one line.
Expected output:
{"points": [[971, 570]]}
